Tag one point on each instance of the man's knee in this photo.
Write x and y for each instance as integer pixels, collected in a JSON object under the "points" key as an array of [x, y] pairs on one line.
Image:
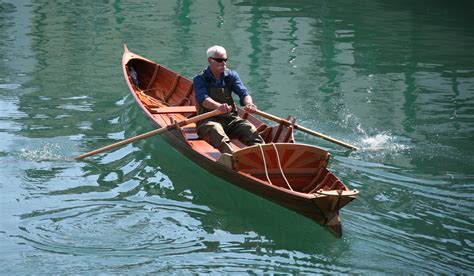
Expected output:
{"points": [[204, 129], [249, 135], [213, 133]]}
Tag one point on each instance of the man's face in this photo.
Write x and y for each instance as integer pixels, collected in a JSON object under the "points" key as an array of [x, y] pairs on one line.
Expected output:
{"points": [[218, 63]]}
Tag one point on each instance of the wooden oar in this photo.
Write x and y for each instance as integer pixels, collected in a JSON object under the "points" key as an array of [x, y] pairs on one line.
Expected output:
{"points": [[309, 131], [151, 133]]}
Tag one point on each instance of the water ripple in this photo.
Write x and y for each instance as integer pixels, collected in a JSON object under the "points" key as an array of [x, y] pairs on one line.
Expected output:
{"points": [[416, 245], [114, 228], [9, 86]]}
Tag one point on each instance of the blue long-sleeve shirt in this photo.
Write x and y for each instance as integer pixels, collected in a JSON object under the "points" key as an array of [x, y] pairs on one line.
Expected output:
{"points": [[200, 84]]}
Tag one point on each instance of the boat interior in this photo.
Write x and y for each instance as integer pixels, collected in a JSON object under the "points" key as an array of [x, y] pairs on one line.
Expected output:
{"points": [[170, 98]]}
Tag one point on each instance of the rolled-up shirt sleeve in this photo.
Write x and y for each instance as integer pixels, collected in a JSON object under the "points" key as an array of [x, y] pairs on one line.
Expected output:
{"points": [[200, 89]]}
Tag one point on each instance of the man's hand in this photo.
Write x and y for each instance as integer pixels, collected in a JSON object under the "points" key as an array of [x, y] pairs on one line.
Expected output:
{"points": [[211, 104], [224, 108], [250, 108]]}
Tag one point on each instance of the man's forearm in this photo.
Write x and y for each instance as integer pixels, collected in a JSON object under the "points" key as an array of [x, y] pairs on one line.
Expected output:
{"points": [[247, 100], [210, 103]]}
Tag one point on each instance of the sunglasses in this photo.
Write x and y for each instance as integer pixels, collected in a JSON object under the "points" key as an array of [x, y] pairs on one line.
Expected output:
{"points": [[220, 59]]}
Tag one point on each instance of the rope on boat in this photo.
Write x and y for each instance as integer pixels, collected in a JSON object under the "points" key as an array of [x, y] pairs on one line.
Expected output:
{"points": [[265, 163], [150, 98], [279, 166], [158, 90]]}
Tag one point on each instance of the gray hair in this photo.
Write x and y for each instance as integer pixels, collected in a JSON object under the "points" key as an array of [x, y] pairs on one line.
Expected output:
{"points": [[216, 49]]}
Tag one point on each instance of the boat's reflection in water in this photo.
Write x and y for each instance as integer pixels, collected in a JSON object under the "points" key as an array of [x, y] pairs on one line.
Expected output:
{"points": [[232, 209]]}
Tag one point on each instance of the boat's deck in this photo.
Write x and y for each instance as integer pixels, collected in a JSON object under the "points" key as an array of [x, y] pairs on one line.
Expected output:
{"points": [[205, 149]]}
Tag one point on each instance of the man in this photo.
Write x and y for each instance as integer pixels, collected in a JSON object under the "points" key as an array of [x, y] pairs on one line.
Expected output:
{"points": [[213, 89]]}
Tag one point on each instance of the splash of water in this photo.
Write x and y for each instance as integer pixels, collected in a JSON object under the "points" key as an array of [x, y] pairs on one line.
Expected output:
{"points": [[382, 141], [47, 152]]}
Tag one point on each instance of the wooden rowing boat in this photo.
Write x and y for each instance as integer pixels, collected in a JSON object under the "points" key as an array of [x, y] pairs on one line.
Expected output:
{"points": [[290, 174]]}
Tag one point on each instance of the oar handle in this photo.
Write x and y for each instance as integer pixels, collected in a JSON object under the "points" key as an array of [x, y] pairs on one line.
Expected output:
{"points": [[150, 133], [301, 128]]}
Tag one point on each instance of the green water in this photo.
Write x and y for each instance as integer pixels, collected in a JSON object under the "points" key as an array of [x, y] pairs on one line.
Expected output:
{"points": [[395, 78]]}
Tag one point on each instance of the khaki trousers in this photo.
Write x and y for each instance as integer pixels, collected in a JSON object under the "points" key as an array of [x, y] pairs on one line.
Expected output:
{"points": [[221, 129]]}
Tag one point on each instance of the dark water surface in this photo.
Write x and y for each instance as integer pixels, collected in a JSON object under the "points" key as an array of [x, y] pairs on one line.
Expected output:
{"points": [[395, 78]]}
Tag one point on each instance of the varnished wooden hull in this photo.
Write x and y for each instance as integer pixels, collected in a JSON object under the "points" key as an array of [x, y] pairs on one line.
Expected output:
{"points": [[287, 173]]}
